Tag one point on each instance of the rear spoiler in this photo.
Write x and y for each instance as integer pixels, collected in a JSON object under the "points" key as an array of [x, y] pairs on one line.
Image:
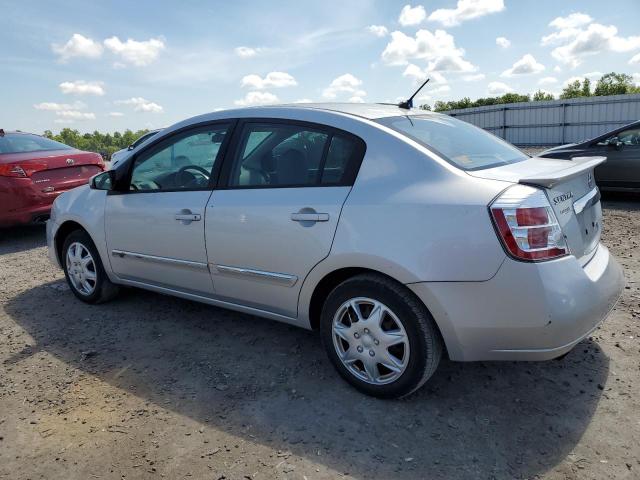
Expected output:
{"points": [[575, 167]]}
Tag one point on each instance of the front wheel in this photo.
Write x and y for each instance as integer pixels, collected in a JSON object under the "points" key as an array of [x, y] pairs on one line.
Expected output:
{"points": [[84, 271], [379, 336]]}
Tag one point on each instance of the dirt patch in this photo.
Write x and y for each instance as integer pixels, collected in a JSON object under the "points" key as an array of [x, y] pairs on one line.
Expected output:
{"points": [[149, 386]]}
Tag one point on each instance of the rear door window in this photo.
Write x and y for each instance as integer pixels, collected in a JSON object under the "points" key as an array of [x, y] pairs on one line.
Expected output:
{"points": [[273, 155]]}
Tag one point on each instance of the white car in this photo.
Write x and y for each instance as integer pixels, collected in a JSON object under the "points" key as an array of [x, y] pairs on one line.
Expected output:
{"points": [[401, 235], [120, 154]]}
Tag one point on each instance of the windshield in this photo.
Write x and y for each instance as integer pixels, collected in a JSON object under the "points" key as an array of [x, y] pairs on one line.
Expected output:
{"points": [[25, 143], [460, 143]]}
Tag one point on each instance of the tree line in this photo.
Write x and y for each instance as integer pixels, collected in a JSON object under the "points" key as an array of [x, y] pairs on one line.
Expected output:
{"points": [[103, 143], [609, 84]]}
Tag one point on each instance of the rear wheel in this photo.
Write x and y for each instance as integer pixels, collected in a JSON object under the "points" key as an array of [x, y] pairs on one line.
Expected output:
{"points": [[84, 271], [379, 336]]}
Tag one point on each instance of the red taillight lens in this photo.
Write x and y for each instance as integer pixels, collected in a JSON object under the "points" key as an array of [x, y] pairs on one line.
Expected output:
{"points": [[25, 169], [527, 225]]}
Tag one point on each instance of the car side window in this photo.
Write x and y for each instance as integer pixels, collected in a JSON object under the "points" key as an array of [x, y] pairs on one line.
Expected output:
{"points": [[183, 162], [627, 137], [630, 137], [287, 155]]}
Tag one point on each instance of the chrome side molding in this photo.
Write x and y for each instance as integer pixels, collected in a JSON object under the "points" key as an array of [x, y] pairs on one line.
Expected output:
{"points": [[278, 278], [154, 258]]}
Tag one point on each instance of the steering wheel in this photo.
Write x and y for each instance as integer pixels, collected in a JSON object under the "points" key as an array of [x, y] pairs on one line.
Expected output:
{"points": [[196, 168]]}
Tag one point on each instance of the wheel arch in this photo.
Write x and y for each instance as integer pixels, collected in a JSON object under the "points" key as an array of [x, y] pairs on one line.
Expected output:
{"points": [[63, 232], [335, 277]]}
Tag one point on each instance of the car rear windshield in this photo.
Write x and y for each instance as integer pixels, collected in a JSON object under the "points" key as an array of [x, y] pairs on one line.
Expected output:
{"points": [[25, 143], [460, 143]]}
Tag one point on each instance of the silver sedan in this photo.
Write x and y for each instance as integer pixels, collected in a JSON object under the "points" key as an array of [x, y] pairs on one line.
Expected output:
{"points": [[400, 235]]}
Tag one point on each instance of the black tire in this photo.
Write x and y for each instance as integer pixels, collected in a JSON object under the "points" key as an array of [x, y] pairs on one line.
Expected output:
{"points": [[424, 340], [104, 290]]}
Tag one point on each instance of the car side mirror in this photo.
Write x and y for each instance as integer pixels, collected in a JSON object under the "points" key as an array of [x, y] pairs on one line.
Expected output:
{"points": [[130, 147], [104, 181]]}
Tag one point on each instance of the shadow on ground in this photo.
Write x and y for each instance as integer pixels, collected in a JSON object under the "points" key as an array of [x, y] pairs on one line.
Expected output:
{"points": [[20, 239], [241, 374]]}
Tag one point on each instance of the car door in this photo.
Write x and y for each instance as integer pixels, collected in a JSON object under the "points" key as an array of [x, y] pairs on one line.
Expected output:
{"points": [[274, 216], [155, 229], [622, 168]]}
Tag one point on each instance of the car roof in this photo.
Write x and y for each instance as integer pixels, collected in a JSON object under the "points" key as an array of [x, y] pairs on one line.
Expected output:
{"points": [[371, 111]]}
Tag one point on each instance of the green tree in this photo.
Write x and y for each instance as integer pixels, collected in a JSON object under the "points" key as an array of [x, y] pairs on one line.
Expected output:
{"points": [[586, 88], [615, 84], [103, 143], [541, 96], [572, 90]]}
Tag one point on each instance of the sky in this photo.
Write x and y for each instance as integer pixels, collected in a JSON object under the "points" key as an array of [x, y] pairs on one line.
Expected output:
{"points": [[113, 65]]}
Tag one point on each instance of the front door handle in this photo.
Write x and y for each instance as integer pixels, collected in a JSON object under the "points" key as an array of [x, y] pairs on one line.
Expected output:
{"points": [[186, 216], [309, 215]]}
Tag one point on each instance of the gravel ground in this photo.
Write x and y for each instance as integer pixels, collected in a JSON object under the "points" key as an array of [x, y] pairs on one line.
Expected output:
{"points": [[149, 386]]}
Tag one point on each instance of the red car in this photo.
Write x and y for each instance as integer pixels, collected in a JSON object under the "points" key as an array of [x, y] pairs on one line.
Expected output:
{"points": [[34, 170]]}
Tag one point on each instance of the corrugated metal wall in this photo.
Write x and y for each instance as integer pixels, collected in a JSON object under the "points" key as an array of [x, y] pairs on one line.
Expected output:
{"points": [[554, 122]]}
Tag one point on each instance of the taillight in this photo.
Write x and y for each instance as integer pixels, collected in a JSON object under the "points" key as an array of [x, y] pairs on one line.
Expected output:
{"points": [[25, 169], [527, 225]]}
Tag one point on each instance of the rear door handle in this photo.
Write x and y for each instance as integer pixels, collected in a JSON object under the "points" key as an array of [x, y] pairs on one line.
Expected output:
{"points": [[310, 217], [186, 216]]}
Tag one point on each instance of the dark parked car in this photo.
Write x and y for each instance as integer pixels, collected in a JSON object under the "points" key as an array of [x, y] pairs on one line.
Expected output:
{"points": [[34, 170], [621, 171]]}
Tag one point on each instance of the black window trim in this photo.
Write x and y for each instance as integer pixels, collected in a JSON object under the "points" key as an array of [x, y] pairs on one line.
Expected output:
{"points": [[351, 171], [124, 171]]}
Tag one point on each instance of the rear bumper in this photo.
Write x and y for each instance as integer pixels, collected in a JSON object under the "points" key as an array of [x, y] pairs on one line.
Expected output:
{"points": [[527, 311], [23, 202]]}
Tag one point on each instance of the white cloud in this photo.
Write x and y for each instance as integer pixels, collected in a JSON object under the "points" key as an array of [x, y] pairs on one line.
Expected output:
{"points": [[133, 52], [635, 60], [593, 76], [474, 78], [80, 87], [53, 107], [578, 38], [272, 79], [77, 46], [116, 114], [574, 20], [304, 100], [419, 75], [75, 115], [356, 99], [503, 42], [527, 65], [257, 98], [440, 90], [412, 15], [466, 10], [247, 52], [438, 48], [499, 88], [557, 69], [378, 30], [547, 80], [346, 83], [141, 105]]}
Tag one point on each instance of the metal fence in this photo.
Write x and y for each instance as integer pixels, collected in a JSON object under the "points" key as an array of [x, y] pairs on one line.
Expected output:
{"points": [[554, 122]]}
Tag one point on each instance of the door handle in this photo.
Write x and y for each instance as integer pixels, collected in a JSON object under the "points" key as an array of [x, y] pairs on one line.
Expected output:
{"points": [[309, 217], [186, 216]]}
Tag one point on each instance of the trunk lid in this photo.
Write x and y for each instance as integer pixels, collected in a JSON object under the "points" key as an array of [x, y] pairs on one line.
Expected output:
{"points": [[57, 170], [571, 191]]}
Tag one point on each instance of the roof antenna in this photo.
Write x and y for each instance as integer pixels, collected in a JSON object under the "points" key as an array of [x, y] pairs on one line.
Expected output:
{"points": [[408, 104]]}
